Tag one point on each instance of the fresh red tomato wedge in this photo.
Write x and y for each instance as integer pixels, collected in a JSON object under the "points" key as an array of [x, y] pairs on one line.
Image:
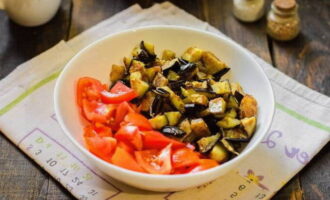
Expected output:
{"points": [[88, 88], [156, 140], [95, 111], [130, 134], [121, 112], [125, 160], [138, 120], [126, 147], [204, 164], [102, 147], [102, 130], [184, 157], [118, 93], [155, 161]]}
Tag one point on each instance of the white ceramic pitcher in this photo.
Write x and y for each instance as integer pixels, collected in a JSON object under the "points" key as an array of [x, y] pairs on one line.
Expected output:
{"points": [[30, 12]]}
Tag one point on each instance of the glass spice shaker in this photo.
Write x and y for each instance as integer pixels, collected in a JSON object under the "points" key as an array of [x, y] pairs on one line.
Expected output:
{"points": [[248, 10], [283, 22]]}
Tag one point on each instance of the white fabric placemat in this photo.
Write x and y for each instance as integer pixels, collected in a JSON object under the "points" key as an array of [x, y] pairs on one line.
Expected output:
{"points": [[301, 125]]}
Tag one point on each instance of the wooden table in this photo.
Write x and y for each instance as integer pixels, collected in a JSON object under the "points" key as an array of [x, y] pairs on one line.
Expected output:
{"points": [[305, 59]]}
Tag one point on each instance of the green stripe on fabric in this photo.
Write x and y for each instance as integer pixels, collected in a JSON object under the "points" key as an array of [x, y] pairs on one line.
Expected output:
{"points": [[28, 92], [303, 118]]}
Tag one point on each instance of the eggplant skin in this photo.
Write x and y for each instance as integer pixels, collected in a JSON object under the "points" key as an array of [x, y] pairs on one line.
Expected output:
{"points": [[173, 131]]}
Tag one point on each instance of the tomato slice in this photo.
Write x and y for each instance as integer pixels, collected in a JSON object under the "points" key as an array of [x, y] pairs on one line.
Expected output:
{"points": [[95, 111], [88, 88], [125, 160], [156, 140], [204, 164], [102, 147], [121, 112], [118, 93], [184, 157], [103, 130], [138, 120], [130, 134], [155, 161], [126, 147]]}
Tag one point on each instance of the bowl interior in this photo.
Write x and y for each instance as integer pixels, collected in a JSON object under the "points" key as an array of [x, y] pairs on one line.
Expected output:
{"points": [[96, 60]]}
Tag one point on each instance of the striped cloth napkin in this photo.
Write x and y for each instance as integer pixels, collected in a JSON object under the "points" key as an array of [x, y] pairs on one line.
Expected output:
{"points": [[301, 125]]}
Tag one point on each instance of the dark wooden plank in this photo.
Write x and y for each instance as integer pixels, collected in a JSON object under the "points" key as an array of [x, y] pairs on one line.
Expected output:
{"points": [[87, 13], [306, 60], [20, 177]]}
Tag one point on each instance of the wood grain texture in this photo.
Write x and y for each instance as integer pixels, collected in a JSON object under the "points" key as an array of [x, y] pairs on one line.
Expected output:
{"points": [[20, 177], [306, 59]]}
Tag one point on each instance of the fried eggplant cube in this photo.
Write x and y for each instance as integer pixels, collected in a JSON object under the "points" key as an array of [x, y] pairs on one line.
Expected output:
{"points": [[199, 127]]}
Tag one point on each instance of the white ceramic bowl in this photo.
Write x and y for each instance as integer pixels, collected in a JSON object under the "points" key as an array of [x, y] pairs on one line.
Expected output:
{"points": [[95, 61]]}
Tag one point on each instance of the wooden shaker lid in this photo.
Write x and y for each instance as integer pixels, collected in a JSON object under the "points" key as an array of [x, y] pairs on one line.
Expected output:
{"points": [[285, 4]]}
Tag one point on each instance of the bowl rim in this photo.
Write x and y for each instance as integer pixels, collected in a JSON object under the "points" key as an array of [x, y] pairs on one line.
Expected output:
{"points": [[224, 39]]}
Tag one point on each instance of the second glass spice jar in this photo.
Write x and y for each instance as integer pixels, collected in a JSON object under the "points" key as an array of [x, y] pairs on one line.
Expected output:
{"points": [[283, 22]]}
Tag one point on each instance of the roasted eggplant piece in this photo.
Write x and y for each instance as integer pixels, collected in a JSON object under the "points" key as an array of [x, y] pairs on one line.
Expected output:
{"points": [[159, 80], [127, 62], [176, 101], [149, 47], [235, 135], [151, 72], [117, 73], [137, 84], [239, 96], [229, 146], [231, 113], [192, 54], [199, 127], [217, 106], [207, 143], [248, 107], [219, 153], [196, 84], [228, 122], [161, 91], [173, 131], [211, 122], [144, 52], [212, 63], [185, 126], [249, 124], [168, 55], [147, 101], [171, 65], [217, 76], [187, 71], [192, 109], [176, 85], [173, 76], [199, 99], [232, 102], [158, 122], [137, 66], [157, 105], [173, 117], [221, 87], [236, 87]]}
